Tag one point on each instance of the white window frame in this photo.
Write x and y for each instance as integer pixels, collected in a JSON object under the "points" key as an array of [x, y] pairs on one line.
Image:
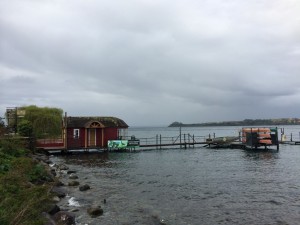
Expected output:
{"points": [[76, 133]]}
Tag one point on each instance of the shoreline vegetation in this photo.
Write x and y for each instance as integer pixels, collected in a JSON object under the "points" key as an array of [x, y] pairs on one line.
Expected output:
{"points": [[246, 122], [32, 191], [25, 184]]}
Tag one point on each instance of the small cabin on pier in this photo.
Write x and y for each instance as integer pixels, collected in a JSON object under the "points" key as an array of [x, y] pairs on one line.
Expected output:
{"points": [[86, 133], [93, 132]]}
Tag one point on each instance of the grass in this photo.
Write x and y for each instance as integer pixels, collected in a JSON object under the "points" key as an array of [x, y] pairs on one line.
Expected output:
{"points": [[24, 192]]}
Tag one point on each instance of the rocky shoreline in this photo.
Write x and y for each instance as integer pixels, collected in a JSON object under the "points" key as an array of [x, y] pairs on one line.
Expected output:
{"points": [[84, 194], [64, 209]]}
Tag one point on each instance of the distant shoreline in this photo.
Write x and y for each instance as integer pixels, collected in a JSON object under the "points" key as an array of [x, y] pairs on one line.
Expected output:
{"points": [[246, 122]]}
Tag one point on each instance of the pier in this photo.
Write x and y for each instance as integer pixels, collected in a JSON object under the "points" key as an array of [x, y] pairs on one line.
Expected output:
{"points": [[183, 141], [249, 138]]}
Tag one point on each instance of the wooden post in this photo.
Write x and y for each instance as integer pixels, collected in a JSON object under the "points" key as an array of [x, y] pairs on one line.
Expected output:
{"points": [[251, 139], [85, 137], [276, 134], [193, 141], [102, 136], [160, 141], [180, 135], [66, 131]]}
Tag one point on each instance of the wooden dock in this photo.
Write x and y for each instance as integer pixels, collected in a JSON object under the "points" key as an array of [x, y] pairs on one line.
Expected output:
{"points": [[182, 141], [182, 145]]}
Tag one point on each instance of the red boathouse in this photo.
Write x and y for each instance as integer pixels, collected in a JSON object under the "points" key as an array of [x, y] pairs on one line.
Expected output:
{"points": [[93, 132], [86, 133]]}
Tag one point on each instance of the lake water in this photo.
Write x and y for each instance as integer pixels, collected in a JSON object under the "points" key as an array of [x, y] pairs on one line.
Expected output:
{"points": [[188, 186]]}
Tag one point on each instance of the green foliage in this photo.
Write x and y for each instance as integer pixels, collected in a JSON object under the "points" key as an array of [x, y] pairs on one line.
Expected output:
{"points": [[2, 127], [12, 146], [44, 121], [5, 163], [25, 128], [22, 202], [38, 173]]}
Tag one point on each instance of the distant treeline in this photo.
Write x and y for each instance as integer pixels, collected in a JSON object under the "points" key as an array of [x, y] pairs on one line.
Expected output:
{"points": [[246, 122]]}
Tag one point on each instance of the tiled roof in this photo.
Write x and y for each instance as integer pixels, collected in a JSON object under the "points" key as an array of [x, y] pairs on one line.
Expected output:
{"points": [[105, 121]]}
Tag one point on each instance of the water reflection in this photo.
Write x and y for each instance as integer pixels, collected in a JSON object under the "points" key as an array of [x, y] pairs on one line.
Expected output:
{"points": [[89, 160], [265, 155]]}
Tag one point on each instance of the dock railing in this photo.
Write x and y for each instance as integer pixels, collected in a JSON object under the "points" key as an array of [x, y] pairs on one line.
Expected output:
{"points": [[183, 140], [287, 136]]}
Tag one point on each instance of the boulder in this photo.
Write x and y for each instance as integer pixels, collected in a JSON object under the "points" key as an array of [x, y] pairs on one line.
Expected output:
{"points": [[53, 172], [63, 167], [55, 199], [58, 191], [84, 187], [73, 183], [73, 176], [58, 183], [95, 211], [64, 218], [53, 208]]}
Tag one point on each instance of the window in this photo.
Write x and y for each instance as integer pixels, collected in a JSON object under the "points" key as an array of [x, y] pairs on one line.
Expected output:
{"points": [[76, 133], [122, 133]]}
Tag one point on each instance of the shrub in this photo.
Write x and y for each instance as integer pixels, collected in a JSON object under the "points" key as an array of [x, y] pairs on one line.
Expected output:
{"points": [[21, 202], [12, 146]]}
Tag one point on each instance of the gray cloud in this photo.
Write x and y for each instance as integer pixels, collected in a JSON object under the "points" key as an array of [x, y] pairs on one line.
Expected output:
{"points": [[152, 63]]}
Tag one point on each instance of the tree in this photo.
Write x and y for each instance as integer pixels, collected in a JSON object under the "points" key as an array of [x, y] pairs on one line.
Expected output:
{"points": [[25, 128], [45, 122], [2, 127]]}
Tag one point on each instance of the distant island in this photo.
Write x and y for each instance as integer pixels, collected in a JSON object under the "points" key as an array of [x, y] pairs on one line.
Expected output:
{"points": [[246, 122]]}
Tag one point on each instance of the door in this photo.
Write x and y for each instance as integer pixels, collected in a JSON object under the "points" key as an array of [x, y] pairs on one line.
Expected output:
{"points": [[92, 137]]}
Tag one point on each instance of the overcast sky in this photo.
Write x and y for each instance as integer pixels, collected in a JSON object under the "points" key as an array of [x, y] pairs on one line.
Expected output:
{"points": [[152, 62]]}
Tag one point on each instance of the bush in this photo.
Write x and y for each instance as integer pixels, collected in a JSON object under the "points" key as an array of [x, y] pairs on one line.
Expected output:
{"points": [[21, 202], [5, 163], [25, 128], [13, 146]]}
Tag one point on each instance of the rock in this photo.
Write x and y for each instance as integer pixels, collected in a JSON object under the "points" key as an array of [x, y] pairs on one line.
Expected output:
{"points": [[48, 219], [48, 162], [64, 218], [56, 199], [63, 167], [58, 183], [95, 211], [59, 192], [53, 208], [73, 176], [84, 187], [74, 210], [73, 183], [54, 165], [53, 173]]}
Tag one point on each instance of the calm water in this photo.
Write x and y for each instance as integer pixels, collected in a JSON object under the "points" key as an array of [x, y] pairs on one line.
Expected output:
{"points": [[193, 186]]}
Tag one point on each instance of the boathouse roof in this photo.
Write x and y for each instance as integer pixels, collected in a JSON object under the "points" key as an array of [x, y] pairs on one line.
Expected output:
{"points": [[104, 121]]}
